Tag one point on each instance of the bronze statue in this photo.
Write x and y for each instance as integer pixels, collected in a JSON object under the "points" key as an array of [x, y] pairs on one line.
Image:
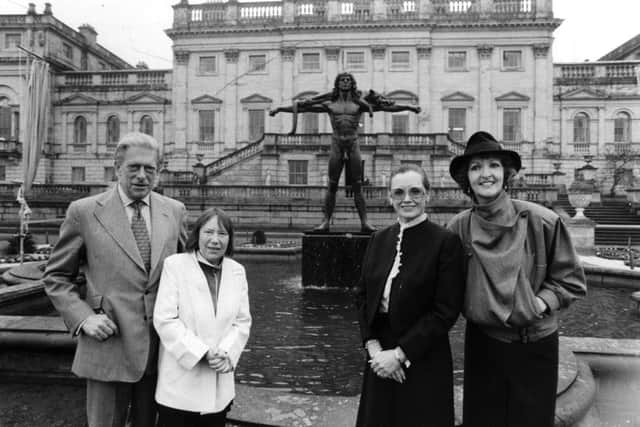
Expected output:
{"points": [[344, 105]]}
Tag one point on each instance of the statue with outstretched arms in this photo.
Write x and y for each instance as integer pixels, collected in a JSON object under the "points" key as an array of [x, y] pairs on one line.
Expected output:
{"points": [[344, 105]]}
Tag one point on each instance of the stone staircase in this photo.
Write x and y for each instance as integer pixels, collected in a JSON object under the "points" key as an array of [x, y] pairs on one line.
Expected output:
{"points": [[225, 162], [616, 220]]}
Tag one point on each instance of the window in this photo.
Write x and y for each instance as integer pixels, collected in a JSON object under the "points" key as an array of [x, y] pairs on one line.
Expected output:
{"points": [[581, 128], [511, 129], [5, 122], [146, 125], [207, 127], [298, 172], [207, 65], [512, 59], [457, 61], [3, 173], [354, 61], [309, 123], [622, 128], [310, 62], [80, 130], [77, 175], [12, 40], [400, 60], [411, 162], [110, 174], [257, 63], [457, 123], [113, 130], [400, 123], [67, 51], [256, 124]]}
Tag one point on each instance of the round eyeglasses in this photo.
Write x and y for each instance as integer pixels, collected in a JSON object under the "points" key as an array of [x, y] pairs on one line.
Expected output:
{"points": [[414, 193]]}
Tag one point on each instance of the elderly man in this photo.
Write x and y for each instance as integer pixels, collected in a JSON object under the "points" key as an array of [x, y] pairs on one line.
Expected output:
{"points": [[119, 239]]}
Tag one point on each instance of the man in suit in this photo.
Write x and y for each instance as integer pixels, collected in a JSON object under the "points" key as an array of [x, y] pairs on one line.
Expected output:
{"points": [[119, 239]]}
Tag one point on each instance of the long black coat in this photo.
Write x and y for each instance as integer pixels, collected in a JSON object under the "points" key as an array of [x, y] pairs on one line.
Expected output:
{"points": [[425, 301]]}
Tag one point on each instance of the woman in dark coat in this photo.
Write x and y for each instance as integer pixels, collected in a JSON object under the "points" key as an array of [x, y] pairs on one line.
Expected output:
{"points": [[410, 295], [521, 269]]}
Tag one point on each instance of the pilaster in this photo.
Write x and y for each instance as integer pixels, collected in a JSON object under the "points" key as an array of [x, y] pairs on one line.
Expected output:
{"points": [[378, 55], [424, 95], [180, 103], [485, 53], [231, 102], [542, 95], [287, 55]]}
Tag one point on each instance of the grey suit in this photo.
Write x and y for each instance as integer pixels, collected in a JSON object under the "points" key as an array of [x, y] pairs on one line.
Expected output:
{"points": [[96, 237]]}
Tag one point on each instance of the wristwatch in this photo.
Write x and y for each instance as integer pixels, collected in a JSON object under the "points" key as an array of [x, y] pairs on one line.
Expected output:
{"points": [[406, 363]]}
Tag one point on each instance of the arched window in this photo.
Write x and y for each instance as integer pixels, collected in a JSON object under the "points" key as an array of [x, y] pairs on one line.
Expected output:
{"points": [[113, 130], [80, 130], [581, 128], [146, 125], [5, 119], [622, 127]]}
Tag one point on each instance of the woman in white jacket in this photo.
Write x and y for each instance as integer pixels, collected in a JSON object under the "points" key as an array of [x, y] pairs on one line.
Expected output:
{"points": [[203, 320]]}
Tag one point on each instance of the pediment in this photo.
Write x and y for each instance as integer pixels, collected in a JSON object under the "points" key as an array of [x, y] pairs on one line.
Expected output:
{"points": [[79, 99], [256, 98], [457, 96], [206, 99], [146, 98], [403, 95], [513, 96], [583, 93]]}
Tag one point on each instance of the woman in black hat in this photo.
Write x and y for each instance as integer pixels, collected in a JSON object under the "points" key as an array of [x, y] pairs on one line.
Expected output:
{"points": [[521, 269]]}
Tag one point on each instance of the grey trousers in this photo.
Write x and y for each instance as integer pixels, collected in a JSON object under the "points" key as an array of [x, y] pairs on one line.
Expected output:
{"points": [[113, 404]]}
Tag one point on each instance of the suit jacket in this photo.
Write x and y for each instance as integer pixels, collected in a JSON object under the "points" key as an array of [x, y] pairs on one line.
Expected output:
{"points": [[427, 294], [188, 327], [96, 237]]}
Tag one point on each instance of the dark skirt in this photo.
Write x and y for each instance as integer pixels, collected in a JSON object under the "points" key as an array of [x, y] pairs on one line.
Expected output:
{"points": [[509, 384], [425, 399]]}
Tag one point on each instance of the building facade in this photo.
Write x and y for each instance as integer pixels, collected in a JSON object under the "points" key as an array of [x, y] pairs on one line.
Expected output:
{"points": [[469, 65]]}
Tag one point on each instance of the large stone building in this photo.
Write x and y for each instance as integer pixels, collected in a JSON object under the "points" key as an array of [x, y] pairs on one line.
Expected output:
{"points": [[469, 65]]}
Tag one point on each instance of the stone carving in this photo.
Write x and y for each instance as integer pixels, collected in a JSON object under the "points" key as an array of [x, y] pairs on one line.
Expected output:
{"points": [[344, 105], [485, 51], [181, 56], [541, 50], [232, 55]]}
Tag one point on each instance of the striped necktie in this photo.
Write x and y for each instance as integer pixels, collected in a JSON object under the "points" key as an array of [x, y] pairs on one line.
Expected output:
{"points": [[141, 234]]}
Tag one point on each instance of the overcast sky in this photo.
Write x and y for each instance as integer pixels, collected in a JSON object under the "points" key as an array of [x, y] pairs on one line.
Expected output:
{"points": [[134, 29]]}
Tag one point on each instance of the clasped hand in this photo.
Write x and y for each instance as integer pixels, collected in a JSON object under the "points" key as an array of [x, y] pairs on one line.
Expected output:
{"points": [[219, 361], [386, 365], [99, 327]]}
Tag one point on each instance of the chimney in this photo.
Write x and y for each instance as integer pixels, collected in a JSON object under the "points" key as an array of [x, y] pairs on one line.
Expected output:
{"points": [[47, 9], [32, 9], [89, 33]]}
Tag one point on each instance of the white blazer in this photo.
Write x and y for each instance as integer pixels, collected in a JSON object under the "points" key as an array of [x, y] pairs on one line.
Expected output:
{"points": [[188, 327]]}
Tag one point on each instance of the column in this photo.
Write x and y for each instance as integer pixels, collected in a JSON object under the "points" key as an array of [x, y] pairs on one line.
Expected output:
{"points": [[180, 99], [602, 137], [231, 104], [424, 97], [542, 95], [287, 54], [333, 54], [65, 131], [485, 102], [378, 83]]}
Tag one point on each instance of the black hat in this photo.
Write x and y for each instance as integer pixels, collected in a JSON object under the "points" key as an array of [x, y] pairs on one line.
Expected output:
{"points": [[482, 143]]}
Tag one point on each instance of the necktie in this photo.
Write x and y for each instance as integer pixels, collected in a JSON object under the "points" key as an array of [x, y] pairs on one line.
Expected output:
{"points": [[141, 234]]}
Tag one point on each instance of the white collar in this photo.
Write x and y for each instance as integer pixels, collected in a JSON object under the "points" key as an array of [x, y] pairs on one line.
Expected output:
{"points": [[126, 200], [203, 260], [404, 225]]}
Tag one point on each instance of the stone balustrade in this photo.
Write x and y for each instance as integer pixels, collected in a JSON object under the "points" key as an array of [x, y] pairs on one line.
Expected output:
{"points": [[597, 72], [276, 12], [156, 79], [10, 147], [618, 148]]}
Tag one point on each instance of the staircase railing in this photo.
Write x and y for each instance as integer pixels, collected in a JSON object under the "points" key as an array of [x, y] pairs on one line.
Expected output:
{"points": [[225, 162]]}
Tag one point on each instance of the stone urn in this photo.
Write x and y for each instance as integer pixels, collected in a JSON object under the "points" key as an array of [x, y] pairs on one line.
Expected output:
{"points": [[580, 195]]}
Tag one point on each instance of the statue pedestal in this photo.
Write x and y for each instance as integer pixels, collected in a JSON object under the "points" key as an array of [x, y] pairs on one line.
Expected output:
{"points": [[332, 259], [582, 231]]}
